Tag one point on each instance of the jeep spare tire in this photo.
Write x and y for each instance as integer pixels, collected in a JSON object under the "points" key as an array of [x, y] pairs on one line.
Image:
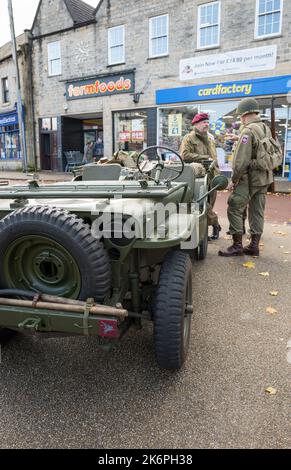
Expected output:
{"points": [[51, 251]]}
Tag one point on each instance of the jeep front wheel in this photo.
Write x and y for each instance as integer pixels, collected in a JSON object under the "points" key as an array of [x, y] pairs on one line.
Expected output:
{"points": [[173, 311]]}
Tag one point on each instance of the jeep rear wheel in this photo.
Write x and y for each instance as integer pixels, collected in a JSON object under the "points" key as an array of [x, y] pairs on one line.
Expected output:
{"points": [[51, 251], [200, 252], [173, 311]]}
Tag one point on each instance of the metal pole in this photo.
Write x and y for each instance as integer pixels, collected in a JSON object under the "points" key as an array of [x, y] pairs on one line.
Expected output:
{"points": [[19, 100]]}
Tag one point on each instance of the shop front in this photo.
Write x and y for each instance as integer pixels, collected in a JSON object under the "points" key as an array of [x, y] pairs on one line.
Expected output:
{"points": [[9, 138], [220, 100], [134, 130]]}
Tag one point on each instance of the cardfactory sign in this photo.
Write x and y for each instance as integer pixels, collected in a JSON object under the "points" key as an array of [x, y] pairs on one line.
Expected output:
{"points": [[100, 86]]}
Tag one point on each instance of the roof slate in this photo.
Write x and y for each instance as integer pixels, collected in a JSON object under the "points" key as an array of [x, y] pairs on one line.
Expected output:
{"points": [[80, 11]]}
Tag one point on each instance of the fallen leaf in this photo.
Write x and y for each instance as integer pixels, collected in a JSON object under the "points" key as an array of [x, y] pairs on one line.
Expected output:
{"points": [[274, 293], [271, 310], [285, 261], [281, 246], [261, 244], [282, 234], [227, 238], [274, 225], [271, 390], [264, 274], [286, 252], [249, 265]]}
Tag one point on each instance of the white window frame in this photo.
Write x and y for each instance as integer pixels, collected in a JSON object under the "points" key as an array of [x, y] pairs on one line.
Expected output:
{"points": [[257, 36], [52, 59], [199, 27], [122, 60], [151, 54]]}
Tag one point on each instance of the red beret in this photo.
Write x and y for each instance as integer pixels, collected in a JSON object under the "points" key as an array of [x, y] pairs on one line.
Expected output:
{"points": [[200, 117]]}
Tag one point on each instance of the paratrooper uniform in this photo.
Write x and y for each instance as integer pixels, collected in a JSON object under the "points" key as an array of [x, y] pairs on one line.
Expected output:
{"points": [[195, 148], [250, 185]]}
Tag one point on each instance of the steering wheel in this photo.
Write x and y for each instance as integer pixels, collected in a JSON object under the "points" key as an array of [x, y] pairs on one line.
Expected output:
{"points": [[145, 163]]}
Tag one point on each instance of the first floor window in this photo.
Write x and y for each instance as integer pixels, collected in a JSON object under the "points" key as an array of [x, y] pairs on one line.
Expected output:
{"points": [[208, 25], [159, 35], [116, 47], [5, 90], [268, 18], [54, 58]]}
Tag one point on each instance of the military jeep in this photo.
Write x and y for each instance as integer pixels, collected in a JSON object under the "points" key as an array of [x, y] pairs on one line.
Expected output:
{"points": [[111, 249]]}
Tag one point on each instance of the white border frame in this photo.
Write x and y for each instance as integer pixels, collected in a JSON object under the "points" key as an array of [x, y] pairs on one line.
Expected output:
{"points": [[122, 61], [273, 35], [209, 46], [151, 55]]}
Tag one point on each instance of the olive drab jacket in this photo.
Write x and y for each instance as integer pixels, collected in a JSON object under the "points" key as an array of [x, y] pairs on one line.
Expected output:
{"points": [[245, 150], [196, 147]]}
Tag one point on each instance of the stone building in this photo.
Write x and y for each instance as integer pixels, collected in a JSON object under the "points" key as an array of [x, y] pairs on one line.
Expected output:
{"points": [[130, 72], [10, 152]]}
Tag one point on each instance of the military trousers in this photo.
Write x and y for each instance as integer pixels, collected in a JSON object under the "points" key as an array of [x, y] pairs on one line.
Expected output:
{"points": [[242, 197]]}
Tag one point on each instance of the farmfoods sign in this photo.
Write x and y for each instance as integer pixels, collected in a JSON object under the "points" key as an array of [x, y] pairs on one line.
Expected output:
{"points": [[100, 86]]}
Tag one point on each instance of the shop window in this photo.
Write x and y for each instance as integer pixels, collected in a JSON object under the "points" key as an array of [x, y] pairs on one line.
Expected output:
{"points": [[116, 47], [208, 25], [54, 58], [5, 90], [130, 130], [159, 35], [54, 124], [268, 18], [49, 124], [9, 143], [176, 122]]}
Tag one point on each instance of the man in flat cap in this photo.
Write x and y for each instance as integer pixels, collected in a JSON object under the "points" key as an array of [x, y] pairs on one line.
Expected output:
{"points": [[197, 146]]}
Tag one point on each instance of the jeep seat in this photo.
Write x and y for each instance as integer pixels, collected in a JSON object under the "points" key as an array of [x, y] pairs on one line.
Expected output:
{"points": [[93, 172], [187, 176]]}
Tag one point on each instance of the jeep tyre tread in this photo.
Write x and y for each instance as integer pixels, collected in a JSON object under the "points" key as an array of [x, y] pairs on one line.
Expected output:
{"points": [[201, 250], [172, 323], [52, 251]]}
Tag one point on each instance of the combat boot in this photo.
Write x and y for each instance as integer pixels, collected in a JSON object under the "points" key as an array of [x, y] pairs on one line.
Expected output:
{"points": [[253, 248], [215, 234], [236, 249]]}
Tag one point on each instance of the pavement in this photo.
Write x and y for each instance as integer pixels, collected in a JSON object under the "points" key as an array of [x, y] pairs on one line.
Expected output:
{"points": [[17, 177]]}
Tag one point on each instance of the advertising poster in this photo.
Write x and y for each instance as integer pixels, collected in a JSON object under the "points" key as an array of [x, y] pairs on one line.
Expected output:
{"points": [[175, 125], [256, 59]]}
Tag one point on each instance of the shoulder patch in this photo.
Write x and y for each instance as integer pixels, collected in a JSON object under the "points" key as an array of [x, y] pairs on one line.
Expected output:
{"points": [[245, 139]]}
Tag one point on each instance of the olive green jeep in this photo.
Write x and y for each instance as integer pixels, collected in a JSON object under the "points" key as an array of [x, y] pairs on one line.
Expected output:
{"points": [[110, 249]]}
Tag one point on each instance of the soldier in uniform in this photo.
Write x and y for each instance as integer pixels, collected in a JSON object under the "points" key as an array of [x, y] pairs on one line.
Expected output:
{"points": [[196, 147], [248, 184]]}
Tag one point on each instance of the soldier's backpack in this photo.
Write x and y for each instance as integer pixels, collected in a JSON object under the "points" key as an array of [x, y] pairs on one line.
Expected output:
{"points": [[269, 153]]}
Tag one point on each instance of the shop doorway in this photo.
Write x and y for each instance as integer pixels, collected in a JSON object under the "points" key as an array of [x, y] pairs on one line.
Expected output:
{"points": [[48, 144], [93, 133], [48, 151], [80, 130]]}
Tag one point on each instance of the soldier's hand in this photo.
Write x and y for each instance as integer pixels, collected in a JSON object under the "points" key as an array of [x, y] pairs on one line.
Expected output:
{"points": [[231, 186]]}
